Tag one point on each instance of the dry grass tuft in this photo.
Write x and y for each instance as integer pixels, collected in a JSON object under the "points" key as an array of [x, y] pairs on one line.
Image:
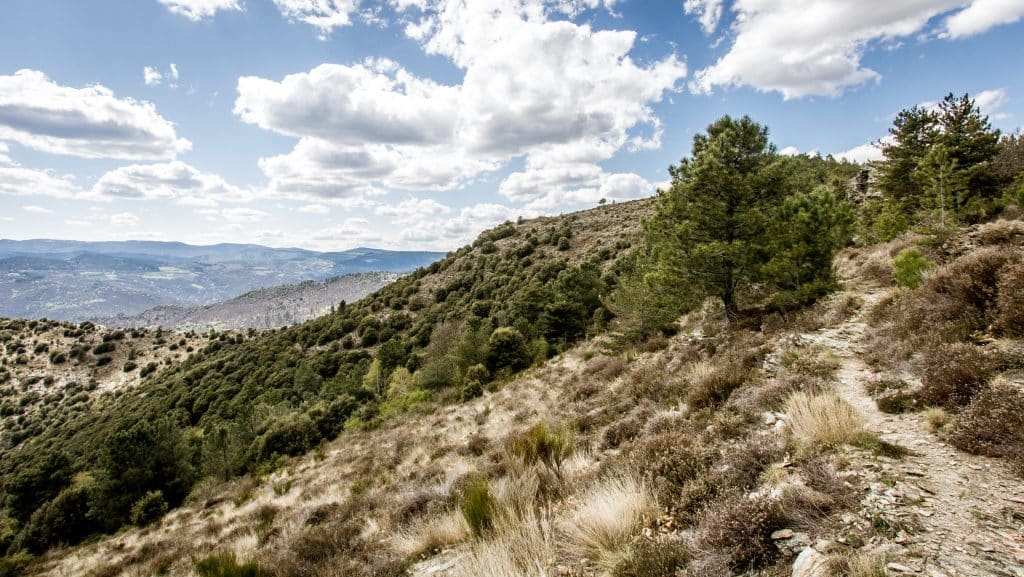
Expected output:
{"points": [[824, 420], [937, 418], [526, 550], [432, 534], [607, 518]]}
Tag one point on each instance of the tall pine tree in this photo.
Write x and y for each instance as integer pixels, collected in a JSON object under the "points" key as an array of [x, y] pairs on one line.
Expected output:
{"points": [[707, 234]]}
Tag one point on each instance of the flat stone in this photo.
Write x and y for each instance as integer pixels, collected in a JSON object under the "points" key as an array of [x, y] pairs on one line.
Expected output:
{"points": [[810, 563], [782, 534], [899, 568]]}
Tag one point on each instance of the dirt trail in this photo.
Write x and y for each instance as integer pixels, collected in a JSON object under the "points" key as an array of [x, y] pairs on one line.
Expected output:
{"points": [[970, 509]]}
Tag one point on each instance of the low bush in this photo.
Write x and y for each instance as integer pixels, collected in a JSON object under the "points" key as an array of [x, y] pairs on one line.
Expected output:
{"points": [[1009, 320], [952, 374], [741, 527], [150, 508], [654, 558], [993, 424], [669, 461]]}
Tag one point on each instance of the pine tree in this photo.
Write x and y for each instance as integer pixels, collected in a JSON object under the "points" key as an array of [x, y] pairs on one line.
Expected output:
{"points": [[708, 229], [913, 132], [970, 144], [806, 231]]}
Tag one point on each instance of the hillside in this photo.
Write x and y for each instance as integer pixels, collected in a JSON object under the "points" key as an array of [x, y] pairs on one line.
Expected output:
{"points": [[76, 281], [52, 370], [712, 452], [266, 308]]}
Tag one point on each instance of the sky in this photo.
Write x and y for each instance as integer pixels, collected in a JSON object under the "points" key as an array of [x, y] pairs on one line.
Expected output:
{"points": [[416, 124]]}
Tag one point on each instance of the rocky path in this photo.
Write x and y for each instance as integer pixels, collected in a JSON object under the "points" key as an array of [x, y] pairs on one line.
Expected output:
{"points": [[963, 515]]}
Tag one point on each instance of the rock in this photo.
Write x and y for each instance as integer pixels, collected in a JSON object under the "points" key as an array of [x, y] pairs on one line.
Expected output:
{"points": [[899, 568], [782, 534], [810, 563]]}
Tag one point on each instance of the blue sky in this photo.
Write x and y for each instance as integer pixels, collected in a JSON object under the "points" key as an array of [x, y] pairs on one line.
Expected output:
{"points": [[330, 124]]}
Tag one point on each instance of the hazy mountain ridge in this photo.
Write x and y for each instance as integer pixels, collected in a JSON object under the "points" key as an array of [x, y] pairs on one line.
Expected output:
{"points": [[264, 308], [71, 280]]}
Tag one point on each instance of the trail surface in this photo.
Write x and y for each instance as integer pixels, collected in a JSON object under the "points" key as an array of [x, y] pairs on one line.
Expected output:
{"points": [[969, 510]]}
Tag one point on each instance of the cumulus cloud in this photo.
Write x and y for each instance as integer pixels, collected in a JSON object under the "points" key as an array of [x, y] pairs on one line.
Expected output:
{"points": [[535, 85], [171, 180], [981, 15], [197, 10], [323, 15], [89, 122], [4, 159], [17, 181], [376, 102], [863, 153], [36, 210], [707, 12], [151, 76], [801, 49]]}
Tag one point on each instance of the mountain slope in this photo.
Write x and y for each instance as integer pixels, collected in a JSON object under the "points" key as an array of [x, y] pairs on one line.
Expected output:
{"points": [[266, 308], [70, 280]]}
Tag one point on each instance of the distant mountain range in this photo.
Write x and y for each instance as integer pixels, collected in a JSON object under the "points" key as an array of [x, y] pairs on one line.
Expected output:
{"points": [[265, 308], [74, 280]]}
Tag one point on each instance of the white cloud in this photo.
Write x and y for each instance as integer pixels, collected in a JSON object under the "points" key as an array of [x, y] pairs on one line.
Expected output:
{"points": [[171, 180], [313, 209], [412, 210], [991, 102], [4, 159], [151, 76], [790, 151], [197, 10], [376, 102], [174, 71], [708, 13], [16, 181], [863, 153], [324, 15], [124, 219], [36, 210], [812, 48], [534, 85], [981, 15], [89, 122]]}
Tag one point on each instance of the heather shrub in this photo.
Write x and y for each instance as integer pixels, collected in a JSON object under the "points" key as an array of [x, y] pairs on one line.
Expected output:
{"points": [[654, 558], [993, 424], [972, 280], [711, 383], [1009, 319], [952, 374], [908, 268], [741, 527], [669, 461]]}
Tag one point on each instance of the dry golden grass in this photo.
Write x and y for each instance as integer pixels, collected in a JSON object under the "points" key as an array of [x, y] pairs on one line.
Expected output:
{"points": [[525, 550], [937, 418], [825, 419], [431, 534], [607, 518]]}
